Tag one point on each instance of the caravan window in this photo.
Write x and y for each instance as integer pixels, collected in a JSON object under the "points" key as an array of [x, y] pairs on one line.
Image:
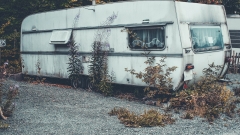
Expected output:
{"points": [[206, 38], [147, 37]]}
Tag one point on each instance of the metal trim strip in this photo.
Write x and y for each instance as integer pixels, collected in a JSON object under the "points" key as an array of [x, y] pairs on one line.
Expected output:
{"points": [[104, 27], [109, 54], [203, 23]]}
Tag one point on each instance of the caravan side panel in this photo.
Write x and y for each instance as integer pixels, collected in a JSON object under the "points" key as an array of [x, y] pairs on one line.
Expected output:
{"points": [[85, 23]]}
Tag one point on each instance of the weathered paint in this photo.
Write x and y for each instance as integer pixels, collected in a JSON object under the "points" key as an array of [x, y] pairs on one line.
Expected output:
{"points": [[175, 16]]}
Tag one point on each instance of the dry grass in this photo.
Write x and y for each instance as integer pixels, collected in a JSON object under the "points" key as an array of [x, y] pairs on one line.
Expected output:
{"points": [[205, 103], [206, 98], [7, 104], [149, 118], [128, 96]]}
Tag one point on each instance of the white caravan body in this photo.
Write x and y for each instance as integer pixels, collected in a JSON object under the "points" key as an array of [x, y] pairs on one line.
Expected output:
{"points": [[184, 33], [233, 21]]}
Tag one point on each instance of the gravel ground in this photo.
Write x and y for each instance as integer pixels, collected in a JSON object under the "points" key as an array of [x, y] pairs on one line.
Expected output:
{"points": [[42, 109]]}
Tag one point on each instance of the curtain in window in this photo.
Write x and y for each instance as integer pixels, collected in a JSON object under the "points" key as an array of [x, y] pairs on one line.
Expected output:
{"points": [[148, 38], [203, 37]]}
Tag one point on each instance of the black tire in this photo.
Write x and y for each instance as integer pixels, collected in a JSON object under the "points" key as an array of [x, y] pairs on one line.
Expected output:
{"points": [[83, 82], [76, 83], [38, 79], [89, 84]]}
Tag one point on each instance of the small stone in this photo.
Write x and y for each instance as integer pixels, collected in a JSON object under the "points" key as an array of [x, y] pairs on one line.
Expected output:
{"points": [[226, 125]]}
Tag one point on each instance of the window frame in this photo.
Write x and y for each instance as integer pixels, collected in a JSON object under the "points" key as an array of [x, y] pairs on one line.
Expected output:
{"points": [[201, 25], [146, 27]]}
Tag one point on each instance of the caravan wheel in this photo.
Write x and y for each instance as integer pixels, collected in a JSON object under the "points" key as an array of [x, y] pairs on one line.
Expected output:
{"points": [[75, 83], [89, 84], [83, 82]]}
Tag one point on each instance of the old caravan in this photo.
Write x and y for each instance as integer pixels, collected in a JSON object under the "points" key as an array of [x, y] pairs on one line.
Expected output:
{"points": [[233, 21], [186, 33]]}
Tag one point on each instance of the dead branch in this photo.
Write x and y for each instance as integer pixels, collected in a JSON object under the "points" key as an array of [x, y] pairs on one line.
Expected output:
{"points": [[1, 114]]}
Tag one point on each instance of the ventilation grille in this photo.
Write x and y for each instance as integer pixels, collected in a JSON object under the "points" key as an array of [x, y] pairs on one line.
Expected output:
{"points": [[235, 38]]}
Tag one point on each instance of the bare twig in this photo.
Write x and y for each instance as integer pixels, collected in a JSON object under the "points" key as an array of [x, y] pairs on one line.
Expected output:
{"points": [[1, 114]]}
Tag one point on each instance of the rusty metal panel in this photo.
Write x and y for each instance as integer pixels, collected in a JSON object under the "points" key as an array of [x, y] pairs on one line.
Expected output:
{"points": [[50, 65]]}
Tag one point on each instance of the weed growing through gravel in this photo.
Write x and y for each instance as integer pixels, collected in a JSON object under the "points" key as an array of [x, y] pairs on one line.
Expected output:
{"points": [[7, 104], [149, 118], [38, 79]]}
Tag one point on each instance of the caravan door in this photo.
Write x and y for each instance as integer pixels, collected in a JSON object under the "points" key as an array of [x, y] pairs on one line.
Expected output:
{"points": [[203, 45], [204, 36]]}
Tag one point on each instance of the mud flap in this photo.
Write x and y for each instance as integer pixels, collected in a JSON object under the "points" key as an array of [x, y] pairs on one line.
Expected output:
{"points": [[188, 75]]}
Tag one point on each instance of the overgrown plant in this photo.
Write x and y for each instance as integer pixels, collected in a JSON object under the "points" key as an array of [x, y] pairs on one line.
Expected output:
{"points": [[75, 67], [156, 76], [149, 118], [96, 64], [98, 68], [206, 98], [38, 67], [39, 78], [105, 83]]}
